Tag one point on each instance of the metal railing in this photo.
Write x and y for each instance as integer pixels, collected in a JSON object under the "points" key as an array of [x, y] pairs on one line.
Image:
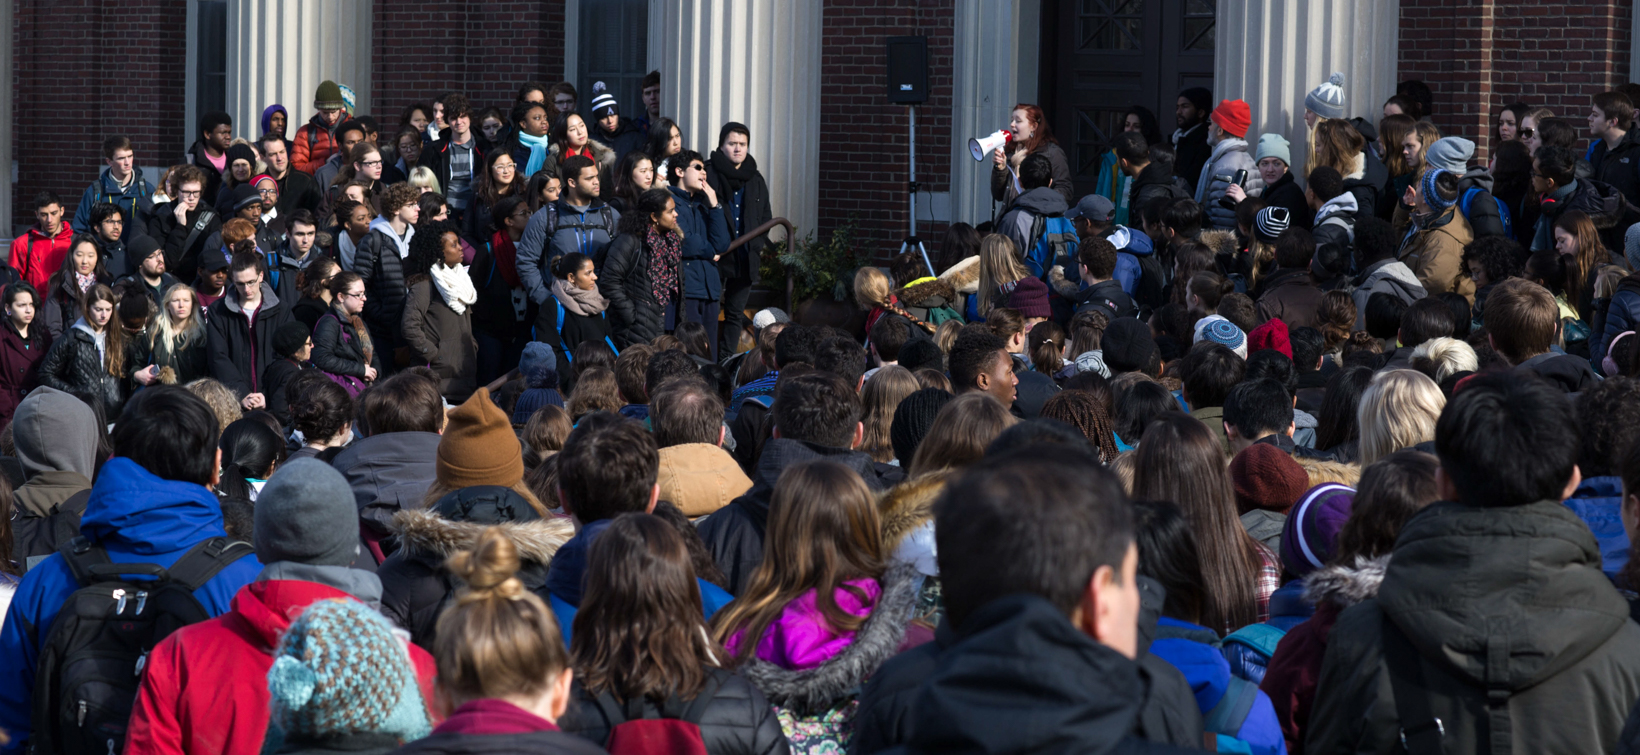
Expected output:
{"points": [[791, 237]]}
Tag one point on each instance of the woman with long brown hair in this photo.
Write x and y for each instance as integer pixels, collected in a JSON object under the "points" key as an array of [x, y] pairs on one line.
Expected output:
{"points": [[1341, 147], [960, 433], [823, 611], [882, 394], [341, 341], [1181, 461], [1577, 240], [641, 648], [94, 355], [1030, 135]]}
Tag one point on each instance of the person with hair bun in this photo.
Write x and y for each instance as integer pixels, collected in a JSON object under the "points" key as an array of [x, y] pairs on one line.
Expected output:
{"points": [[577, 310], [641, 646]]}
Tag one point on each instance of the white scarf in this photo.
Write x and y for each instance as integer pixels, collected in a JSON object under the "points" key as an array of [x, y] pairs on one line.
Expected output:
{"points": [[454, 285]]}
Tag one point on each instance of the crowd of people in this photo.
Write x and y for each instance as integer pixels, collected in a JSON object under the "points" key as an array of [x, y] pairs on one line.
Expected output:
{"points": [[465, 441]]}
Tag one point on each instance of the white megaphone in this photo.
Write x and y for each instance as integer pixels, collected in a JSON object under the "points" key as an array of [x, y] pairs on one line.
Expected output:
{"points": [[983, 146]]}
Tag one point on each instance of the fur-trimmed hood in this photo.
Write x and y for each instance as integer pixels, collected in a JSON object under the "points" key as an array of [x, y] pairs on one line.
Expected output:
{"points": [[963, 276], [818, 689], [1321, 471], [1344, 586], [1065, 288], [930, 293], [1220, 241], [909, 505], [425, 534]]}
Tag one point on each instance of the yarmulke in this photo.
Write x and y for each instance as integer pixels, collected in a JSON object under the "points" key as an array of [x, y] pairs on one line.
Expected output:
{"points": [[1310, 536], [1270, 222], [1327, 100], [1221, 331], [339, 670]]}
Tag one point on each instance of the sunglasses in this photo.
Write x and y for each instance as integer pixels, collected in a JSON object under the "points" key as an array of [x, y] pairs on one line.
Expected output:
{"points": [[1527, 133]]}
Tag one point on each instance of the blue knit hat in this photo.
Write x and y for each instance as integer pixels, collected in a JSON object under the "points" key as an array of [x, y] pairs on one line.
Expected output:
{"points": [[1430, 195], [538, 366], [339, 670], [1221, 331]]}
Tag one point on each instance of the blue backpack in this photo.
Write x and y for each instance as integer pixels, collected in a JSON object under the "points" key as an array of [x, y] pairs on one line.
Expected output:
{"points": [[1503, 209], [1055, 243]]}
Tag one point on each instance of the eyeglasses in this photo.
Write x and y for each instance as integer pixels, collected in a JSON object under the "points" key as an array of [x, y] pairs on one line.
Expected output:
{"points": [[359, 295], [371, 163], [187, 194], [268, 192], [1527, 133]]}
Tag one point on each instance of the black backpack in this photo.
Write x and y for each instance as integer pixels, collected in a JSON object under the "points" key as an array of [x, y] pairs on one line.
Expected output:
{"points": [[92, 660], [35, 538]]}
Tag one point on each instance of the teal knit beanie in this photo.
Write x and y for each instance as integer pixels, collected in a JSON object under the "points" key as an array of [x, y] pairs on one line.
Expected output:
{"points": [[339, 670]]}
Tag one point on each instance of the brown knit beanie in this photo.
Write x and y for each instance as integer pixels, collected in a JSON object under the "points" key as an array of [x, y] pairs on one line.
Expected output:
{"points": [[479, 447], [1265, 477]]}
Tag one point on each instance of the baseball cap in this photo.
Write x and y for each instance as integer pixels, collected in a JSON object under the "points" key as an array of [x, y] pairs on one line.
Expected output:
{"points": [[1093, 207]]}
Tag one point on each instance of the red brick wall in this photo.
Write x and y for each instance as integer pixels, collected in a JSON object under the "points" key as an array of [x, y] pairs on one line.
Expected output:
{"points": [[483, 49], [863, 138], [1479, 55], [73, 88]]}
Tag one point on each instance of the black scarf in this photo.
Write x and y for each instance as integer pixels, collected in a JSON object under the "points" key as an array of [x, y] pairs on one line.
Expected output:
{"points": [[733, 178]]}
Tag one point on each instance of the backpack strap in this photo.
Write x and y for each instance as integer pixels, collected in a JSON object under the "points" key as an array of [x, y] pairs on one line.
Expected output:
{"points": [[1421, 731], [697, 707], [82, 557], [1231, 713], [205, 560], [205, 217]]}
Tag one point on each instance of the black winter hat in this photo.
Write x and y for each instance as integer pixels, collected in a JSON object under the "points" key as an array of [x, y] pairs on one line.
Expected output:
{"points": [[244, 195], [139, 249], [922, 352], [289, 338], [1127, 345], [912, 419], [242, 152]]}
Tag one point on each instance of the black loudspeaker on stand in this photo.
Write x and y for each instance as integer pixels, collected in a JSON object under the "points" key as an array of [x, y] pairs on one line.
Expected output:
{"points": [[908, 84]]}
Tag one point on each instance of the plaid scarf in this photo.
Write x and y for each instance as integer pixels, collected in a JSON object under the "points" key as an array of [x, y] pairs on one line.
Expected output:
{"points": [[664, 253]]}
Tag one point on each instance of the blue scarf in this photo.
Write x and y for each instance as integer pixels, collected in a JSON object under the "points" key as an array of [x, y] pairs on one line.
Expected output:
{"points": [[538, 151]]}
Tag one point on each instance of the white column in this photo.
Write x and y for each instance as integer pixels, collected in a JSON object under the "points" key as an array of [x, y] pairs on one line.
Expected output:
{"points": [[280, 50], [752, 61], [1273, 52], [995, 61]]}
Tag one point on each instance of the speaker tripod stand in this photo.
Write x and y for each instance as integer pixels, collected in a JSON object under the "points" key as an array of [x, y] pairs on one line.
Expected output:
{"points": [[911, 187]]}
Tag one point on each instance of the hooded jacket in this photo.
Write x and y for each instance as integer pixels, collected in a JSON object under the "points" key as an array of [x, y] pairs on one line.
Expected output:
{"points": [[106, 189], [1569, 373], [1291, 295], [379, 259], [625, 138], [389, 473], [1155, 182], [602, 156], [1506, 598], [1434, 251], [1062, 691], [1194, 651], [204, 689], [239, 352], [1390, 276], [1018, 221], [56, 438], [1365, 182], [1291, 676], [415, 584], [138, 518], [75, 363], [36, 256], [634, 314], [1229, 156], [1618, 166], [738, 720], [587, 230], [1342, 210], [705, 235], [700, 478], [1606, 207], [734, 534], [19, 364]]}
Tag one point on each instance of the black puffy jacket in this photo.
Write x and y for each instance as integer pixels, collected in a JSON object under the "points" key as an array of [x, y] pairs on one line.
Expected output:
{"points": [[75, 364], [623, 278], [377, 260], [415, 585], [336, 347], [239, 353], [738, 721]]}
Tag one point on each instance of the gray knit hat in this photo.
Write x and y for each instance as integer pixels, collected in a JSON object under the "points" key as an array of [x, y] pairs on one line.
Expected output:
{"points": [[307, 514], [1327, 100], [1450, 153], [1274, 145]]}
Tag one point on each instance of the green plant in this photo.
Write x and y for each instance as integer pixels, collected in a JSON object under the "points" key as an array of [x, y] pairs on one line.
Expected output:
{"points": [[818, 268]]}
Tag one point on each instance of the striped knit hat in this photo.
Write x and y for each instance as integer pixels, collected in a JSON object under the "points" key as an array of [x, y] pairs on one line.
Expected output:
{"points": [[1431, 195], [1311, 534], [1221, 331], [339, 670], [603, 103], [1270, 222]]}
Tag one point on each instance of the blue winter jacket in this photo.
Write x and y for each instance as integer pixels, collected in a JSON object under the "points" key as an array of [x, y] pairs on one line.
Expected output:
{"points": [[1598, 501], [1127, 260], [1190, 649], [1287, 610], [138, 518], [566, 579], [106, 189], [705, 235]]}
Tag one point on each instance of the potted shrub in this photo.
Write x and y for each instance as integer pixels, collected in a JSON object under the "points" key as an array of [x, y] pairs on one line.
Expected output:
{"points": [[821, 277]]}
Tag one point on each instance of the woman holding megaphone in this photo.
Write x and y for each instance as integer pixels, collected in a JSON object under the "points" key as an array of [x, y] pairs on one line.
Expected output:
{"points": [[1030, 136]]}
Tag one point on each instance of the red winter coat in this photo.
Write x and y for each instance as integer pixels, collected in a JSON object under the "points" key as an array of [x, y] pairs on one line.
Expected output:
{"points": [[36, 256], [206, 686], [312, 146]]}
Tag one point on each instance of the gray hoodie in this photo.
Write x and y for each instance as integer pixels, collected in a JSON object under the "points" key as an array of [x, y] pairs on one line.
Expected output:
{"points": [[1389, 276]]}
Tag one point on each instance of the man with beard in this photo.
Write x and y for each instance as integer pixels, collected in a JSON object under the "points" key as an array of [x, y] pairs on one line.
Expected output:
{"points": [[1190, 145], [734, 177]]}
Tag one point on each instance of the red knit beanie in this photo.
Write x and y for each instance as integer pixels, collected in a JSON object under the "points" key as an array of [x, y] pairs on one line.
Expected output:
{"points": [[1270, 335], [1265, 477], [1234, 117]]}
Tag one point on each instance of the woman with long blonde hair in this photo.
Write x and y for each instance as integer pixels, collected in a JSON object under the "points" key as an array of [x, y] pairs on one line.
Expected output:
{"points": [[999, 270], [1398, 410], [177, 339]]}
